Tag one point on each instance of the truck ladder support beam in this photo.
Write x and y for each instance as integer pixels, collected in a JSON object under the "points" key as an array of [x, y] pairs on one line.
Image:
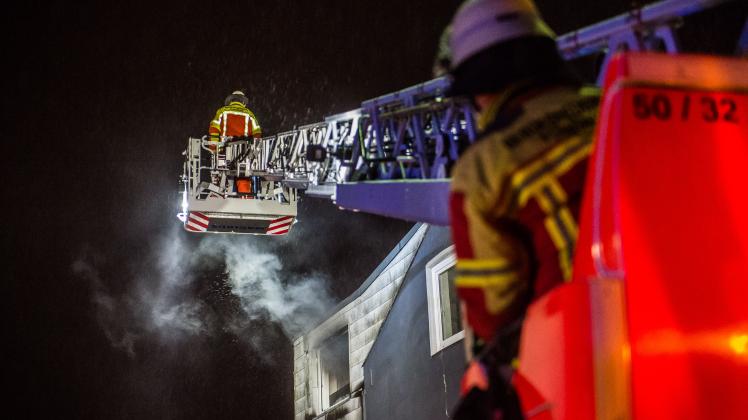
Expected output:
{"points": [[413, 200]]}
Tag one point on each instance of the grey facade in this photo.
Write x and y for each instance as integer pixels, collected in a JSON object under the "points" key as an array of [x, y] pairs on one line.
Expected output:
{"points": [[402, 379], [392, 370]]}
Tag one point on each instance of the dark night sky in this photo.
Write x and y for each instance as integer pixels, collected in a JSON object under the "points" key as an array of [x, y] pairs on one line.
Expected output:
{"points": [[100, 100]]}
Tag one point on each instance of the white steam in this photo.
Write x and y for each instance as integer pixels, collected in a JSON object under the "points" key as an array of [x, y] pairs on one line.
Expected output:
{"points": [[258, 280], [162, 301], [107, 309]]}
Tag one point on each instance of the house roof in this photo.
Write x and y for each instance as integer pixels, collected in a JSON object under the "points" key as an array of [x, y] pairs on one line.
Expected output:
{"points": [[369, 280]]}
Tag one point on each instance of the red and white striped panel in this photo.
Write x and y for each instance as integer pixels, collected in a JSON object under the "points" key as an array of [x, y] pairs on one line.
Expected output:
{"points": [[280, 226], [197, 222]]}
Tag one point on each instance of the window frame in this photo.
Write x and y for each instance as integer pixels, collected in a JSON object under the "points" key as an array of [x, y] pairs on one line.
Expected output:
{"points": [[442, 262], [323, 375]]}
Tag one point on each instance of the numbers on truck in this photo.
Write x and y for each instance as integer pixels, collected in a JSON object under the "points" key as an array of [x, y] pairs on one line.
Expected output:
{"points": [[708, 108]]}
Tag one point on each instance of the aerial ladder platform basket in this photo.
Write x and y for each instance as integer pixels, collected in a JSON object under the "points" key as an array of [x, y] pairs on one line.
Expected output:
{"points": [[237, 185]]}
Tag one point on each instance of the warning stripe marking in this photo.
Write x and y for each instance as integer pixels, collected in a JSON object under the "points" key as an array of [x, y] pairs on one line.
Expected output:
{"points": [[280, 226], [197, 222], [280, 221], [279, 231], [199, 217]]}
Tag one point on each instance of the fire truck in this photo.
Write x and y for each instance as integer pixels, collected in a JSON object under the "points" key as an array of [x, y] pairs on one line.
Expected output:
{"points": [[653, 324]]}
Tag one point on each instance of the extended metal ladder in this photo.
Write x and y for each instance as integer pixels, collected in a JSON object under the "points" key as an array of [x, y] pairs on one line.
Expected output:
{"points": [[392, 156]]}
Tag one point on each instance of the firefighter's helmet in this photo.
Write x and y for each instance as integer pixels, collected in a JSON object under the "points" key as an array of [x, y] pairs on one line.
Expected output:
{"points": [[499, 29], [479, 24], [237, 96]]}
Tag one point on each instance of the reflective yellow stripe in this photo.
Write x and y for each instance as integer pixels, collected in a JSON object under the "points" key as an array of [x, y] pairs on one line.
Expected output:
{"points": [[535, 190], [545, 164], [565, 165], [556, 220], [549, 179], [483, 264], [484, 272], [552, 198], [482, 281], [554, 153], [568, 220], [555, 233], [567, 267], [557, 191]]}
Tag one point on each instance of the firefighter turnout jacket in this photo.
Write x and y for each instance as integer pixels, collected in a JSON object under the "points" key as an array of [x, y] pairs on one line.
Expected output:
{"points": [[515, 200], [235, 120]]}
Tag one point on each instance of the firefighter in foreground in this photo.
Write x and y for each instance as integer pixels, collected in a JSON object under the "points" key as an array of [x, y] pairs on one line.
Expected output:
{"points": [[516, 192]]}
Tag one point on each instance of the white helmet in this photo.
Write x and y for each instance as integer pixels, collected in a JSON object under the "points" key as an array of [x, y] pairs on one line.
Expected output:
{"points": [[479, 24]]}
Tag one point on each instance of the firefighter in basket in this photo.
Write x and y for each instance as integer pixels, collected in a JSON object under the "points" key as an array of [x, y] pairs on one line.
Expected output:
{"points": [[233, 120]]}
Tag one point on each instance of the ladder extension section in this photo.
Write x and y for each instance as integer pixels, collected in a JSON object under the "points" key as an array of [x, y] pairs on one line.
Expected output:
{"points": [[414, 133]]}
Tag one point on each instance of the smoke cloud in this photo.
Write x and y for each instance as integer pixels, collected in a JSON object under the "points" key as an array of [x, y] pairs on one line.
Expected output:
{"points": [[108, 309], [190, 288], [256, 277]]}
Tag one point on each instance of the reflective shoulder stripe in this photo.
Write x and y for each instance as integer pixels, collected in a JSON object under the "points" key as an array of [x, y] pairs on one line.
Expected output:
{"points": [[557, 161]]}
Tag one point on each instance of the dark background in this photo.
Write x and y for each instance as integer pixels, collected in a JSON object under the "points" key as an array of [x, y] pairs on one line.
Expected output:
{"points": [[99, 99]]}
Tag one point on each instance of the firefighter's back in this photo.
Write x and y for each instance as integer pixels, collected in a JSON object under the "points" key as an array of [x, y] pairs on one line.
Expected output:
{"points": [[531, 171]]}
